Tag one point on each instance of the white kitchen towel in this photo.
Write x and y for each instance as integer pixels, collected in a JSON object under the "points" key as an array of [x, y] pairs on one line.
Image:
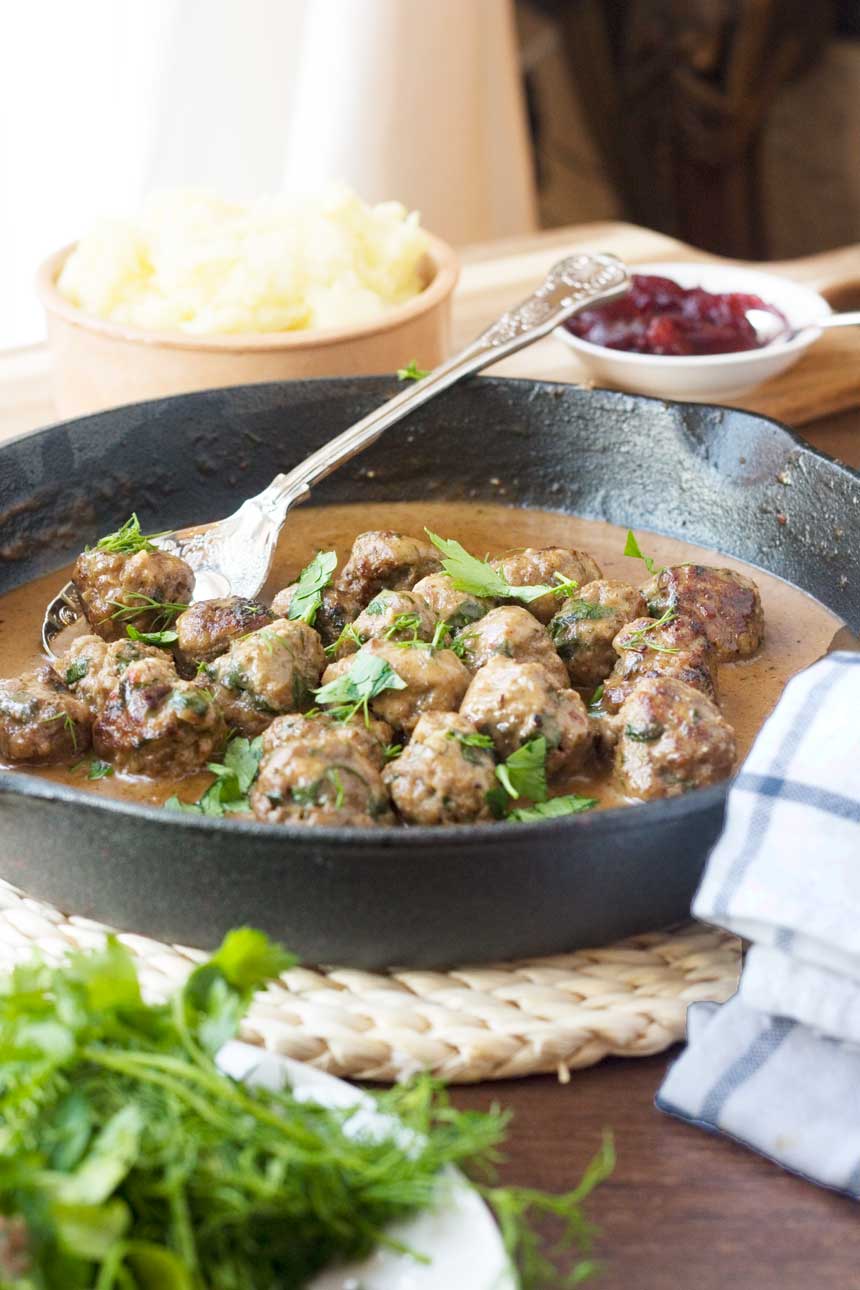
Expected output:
{"points": [[778, 1067]]}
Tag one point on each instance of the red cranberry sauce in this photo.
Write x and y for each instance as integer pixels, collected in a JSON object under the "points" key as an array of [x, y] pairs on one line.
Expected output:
{"points": [[658, 316]]}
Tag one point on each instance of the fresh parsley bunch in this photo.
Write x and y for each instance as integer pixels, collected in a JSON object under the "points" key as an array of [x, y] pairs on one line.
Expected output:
{"points": [[128, 1161]]}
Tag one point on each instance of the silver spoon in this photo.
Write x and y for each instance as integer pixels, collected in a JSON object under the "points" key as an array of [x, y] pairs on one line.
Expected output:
{"points": [[234, 556], [769, 328]]}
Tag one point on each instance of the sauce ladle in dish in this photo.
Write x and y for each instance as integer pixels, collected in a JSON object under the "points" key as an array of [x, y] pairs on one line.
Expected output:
{"points": [[234, 556], [768, 327]]}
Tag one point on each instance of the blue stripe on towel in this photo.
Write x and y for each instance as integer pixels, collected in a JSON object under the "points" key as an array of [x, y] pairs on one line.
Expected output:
{"points": [[846, 808], [763, 809], [744, 1067]]}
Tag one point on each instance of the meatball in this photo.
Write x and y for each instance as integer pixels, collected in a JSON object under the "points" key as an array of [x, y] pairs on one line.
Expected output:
{"points": [[679, 648], [206, 629], [108, 580], [516, 702], [435, 680], [727, 604], [271, 671], [41, 720], [585, 626], [153, 723], [370, 738], [336, 611], [390, 616], [671, 739], [530, 566], [454, 608], [317, 774], [91, 668], [511, 632], [444, 774], [385, 559]]}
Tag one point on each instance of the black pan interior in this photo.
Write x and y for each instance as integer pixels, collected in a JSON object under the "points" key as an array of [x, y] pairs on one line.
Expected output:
{"points": [[725, 479]]}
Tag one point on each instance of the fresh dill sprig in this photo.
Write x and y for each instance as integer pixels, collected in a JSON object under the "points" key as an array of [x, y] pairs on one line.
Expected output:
{"points": [[136, 603], [128, 539], [642, 635]]}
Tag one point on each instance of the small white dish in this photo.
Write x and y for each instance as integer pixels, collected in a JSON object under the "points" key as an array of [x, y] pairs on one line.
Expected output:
{"points": [[459, 1234], [708, 377]]}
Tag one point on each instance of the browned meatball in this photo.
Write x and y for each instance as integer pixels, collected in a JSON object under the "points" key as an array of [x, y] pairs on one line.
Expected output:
{"points": [[390, 616], [454, 608], [585, 626], [153, 723], [107, 581], [516, 702], [91, 668], [671, 739], [337, 609], [370, 738], [319, 776], [679, 648], [385, 559], [41, 720], [511, 632], [271, 671], [532, 565], [444, 774], [727, 604], [435, 681], [206, 629]]}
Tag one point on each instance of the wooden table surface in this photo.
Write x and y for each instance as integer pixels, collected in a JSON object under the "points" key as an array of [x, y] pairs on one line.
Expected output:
{"points": [[683, 1210]]}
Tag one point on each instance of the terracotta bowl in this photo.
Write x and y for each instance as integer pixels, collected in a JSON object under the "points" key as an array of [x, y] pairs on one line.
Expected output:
{"points": [[99, 364]]}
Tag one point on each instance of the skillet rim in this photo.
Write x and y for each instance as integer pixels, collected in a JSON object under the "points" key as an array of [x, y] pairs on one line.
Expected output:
{"points": [[609, 820]]}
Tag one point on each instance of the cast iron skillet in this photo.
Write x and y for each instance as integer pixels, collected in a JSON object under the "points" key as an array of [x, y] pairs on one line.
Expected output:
{"points": [[725, 479]]}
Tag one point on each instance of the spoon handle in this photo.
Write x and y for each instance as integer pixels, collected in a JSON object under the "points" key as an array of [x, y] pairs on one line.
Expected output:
{"points": [[851, 319], [575, 283]]}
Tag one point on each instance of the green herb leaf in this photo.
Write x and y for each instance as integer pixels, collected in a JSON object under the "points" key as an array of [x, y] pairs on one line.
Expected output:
{"points": [[136, 603], [642, 636], [99, 770], [479, 578], [632, 548], [76, 671], [596, 699], [368, 676], [553, 807], [472, 745], [234, 777], [412, 372], [391, 752], [312, 582], [524, 772], [167, 638], [128, 539]]}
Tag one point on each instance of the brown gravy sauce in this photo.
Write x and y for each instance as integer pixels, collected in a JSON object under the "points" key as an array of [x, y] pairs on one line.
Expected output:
{"points": [[798, 629]]}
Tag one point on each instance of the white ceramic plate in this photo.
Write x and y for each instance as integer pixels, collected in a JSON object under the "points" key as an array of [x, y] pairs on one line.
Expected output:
{"points": [[459, 1235], [708, 377]]}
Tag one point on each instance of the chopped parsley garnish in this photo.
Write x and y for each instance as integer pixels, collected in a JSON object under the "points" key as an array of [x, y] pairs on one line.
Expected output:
{"points": [[391, 752], [312, 582], [368, 677], [136, 603], [68, 724], [479, 578], [524, 772], [644, 734], [472, 745], [76, 671], [233, 779], [165, 639], [632, 548], [99, 770], [596, 699], [349, 634], [412, 372], [576, 611], [641, 636], [408, 623], [128, 539], [553, 808]]}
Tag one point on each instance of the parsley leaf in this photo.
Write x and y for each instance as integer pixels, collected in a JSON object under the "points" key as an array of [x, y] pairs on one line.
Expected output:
{"points": [[412, 372], [233, 779], [76, 671], [312, 582], [128, 539], [368, 676], [165, 639], [596, 699], [479, 578], [99, 770], [472, 745], [553, 808], [524, 772], [632, 548]]}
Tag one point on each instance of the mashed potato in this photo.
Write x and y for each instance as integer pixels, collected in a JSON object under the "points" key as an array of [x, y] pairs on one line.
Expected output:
{"points": [[196, 263]]}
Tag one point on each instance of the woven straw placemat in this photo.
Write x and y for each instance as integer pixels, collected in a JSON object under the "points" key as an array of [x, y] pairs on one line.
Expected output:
{"points": [[474, 1023]]}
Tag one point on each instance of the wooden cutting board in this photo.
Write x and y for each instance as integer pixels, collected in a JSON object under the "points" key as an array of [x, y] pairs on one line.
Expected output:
{"points": [[826, 380]]}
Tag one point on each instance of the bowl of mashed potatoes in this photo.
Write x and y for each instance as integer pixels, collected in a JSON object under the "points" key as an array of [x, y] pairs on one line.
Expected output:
{"points": [[196, 292]]}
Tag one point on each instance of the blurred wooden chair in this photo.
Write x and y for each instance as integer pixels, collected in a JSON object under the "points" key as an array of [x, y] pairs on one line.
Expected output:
{"points": [[676, 94]]}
